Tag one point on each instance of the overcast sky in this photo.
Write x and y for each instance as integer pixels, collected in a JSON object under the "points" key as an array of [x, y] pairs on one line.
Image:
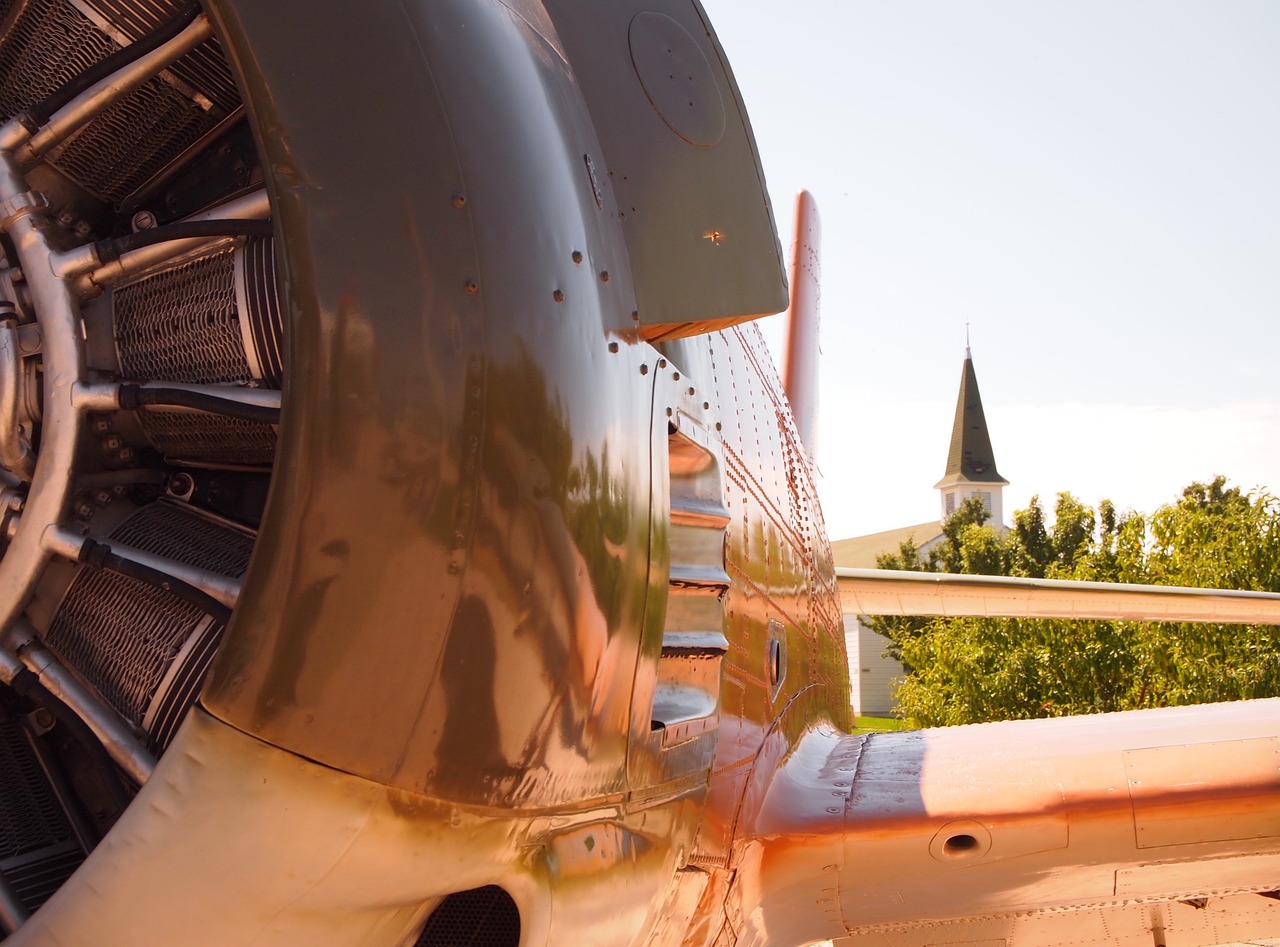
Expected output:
{"points": [[1093, 186]]}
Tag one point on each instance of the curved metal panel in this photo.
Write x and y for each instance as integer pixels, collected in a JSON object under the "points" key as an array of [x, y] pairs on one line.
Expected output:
{"points": [[678, 165], [300, 854], [452, 576]]}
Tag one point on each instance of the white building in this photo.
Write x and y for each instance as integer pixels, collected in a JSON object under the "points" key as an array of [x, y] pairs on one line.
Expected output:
{"points": [[970, 472]]}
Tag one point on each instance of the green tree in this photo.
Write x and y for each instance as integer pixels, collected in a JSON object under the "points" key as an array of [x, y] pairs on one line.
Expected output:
{"points": [[971, 670]]}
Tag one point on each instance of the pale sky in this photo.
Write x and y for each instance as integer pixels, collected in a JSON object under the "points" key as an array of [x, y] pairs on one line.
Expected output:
{"points": [[1093, 186]]}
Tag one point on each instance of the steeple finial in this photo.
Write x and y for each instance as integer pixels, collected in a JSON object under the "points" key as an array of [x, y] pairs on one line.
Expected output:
{"points": [[967, 354]]}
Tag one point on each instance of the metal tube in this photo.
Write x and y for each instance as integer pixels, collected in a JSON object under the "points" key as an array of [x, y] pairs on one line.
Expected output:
{"points": [[106, 397], [91, 278], [102, 95], [63, 356], [223, 589], [800, 377], [117, 738]]}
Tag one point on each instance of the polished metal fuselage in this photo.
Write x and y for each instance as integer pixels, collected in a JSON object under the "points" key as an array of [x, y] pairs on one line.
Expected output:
{"points": [[542, 567]]}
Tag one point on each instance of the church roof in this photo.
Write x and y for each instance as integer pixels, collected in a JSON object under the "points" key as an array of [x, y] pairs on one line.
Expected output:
{"points": [[970, 458], [860, 552]]}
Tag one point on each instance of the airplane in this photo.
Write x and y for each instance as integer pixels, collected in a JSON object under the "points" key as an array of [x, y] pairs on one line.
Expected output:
{"points": [[408, 541]]}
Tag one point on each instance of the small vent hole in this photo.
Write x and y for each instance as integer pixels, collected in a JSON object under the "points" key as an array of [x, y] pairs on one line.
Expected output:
{"points": [[960, 844]]}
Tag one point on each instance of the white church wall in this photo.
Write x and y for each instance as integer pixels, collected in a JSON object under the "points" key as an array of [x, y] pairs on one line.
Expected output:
{"points": [[872, 676]]}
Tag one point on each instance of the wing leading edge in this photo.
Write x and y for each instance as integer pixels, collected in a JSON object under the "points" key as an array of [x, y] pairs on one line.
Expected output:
{"points": [[1147, 827], [889, 592]]}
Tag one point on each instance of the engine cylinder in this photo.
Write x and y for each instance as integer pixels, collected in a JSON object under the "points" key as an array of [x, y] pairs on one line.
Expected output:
{"points": [[144, 649], [212, 318]]}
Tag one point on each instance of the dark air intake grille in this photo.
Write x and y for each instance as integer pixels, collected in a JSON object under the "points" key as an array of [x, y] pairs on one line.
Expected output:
{"points": [[49, 45], [30, 818], [204, 68], [132, 141], [481, 917], [181, 324], [51, 42], [122, 635], [37, 850], [207, 438]]}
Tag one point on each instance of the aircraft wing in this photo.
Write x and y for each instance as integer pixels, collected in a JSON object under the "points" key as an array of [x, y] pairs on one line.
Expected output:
{"points": [[1158, 827], [1148, 827], [889, 592]]}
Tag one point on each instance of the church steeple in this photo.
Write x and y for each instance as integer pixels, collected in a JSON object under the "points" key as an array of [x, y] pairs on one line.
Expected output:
{"points": [[971, 463]]}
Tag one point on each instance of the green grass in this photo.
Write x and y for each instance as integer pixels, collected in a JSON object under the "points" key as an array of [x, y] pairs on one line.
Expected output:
{"points": [[878, 724]]}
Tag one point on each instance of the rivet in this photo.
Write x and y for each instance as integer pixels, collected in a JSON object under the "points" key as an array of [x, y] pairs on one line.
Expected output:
{"points": [[604, 276], [459, 200], [472, 287], [675, 376], [558, 296], [613, 346], [577, 256], [662, 363], [644, 369], [670, 412]]}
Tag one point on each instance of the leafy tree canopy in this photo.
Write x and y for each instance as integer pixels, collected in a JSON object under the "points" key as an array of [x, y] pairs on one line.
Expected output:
{"points": [[968, 670]]}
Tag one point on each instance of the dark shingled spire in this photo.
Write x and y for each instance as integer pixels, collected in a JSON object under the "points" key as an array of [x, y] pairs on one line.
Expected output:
{"points": [[970, 459]]}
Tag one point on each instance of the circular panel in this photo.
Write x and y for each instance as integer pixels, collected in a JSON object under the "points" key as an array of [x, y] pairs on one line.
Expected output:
{"points": [[962, 840], [677, 78]]}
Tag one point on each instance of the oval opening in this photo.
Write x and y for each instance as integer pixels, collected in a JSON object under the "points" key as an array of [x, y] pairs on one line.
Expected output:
{"points": [[481, 917], [960, 844]]}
